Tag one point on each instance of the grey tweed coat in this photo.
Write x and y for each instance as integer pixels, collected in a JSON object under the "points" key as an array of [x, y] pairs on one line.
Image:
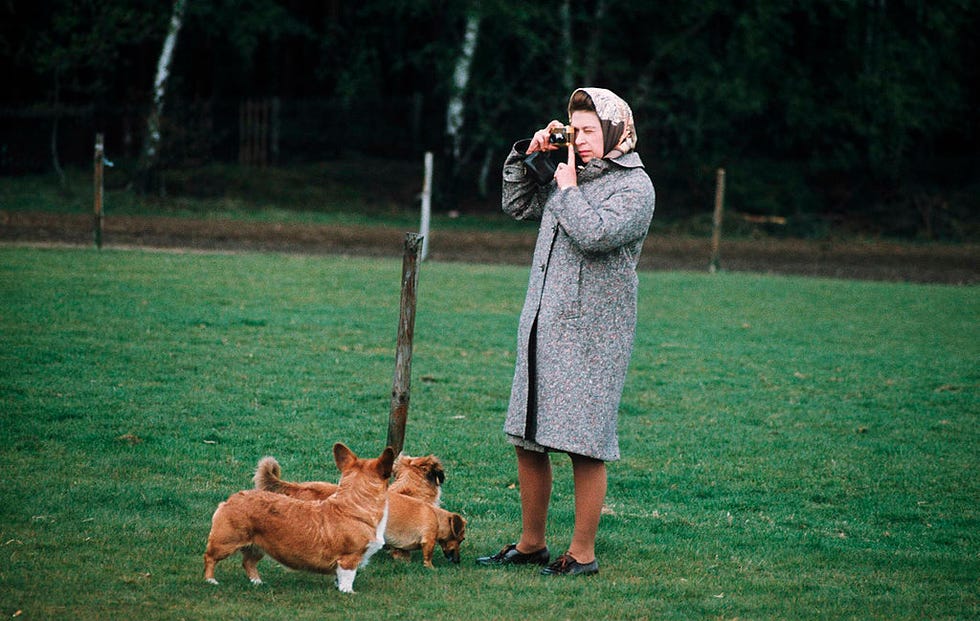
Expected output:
{"points": [[580, 304]]}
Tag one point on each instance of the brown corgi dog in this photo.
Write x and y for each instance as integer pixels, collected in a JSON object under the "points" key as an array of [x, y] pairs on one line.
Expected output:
{"points": [[414, 520], [335, 535]]}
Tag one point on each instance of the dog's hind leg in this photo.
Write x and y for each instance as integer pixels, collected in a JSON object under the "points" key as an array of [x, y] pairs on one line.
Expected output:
{"points": [[223, 541], [251, 555], [214, 554]]}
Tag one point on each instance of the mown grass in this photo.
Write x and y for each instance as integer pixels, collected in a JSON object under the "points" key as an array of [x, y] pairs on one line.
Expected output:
{"points": [[793, 448]]}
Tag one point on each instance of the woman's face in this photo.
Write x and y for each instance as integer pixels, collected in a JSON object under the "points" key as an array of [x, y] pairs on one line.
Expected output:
{"points": [[588, 135]]}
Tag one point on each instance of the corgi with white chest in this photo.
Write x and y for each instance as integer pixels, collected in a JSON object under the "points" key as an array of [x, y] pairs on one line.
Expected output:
{"points": [[335, 535]]}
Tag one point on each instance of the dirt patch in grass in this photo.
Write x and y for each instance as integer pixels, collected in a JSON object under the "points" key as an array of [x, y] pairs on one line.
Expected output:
{"points": [[863, 260]]}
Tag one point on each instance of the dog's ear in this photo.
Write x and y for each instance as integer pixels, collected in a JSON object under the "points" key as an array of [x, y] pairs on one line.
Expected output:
{"points": [[343, 456], [385, 462], [457, 526]]}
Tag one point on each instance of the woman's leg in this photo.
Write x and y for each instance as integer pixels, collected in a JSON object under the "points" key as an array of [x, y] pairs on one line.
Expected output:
{"points": [[590, 492], [534, 478]]}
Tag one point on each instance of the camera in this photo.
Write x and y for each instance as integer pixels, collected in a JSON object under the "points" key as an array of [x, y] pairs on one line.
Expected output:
{"points": [[561, 136], [541, 166]]}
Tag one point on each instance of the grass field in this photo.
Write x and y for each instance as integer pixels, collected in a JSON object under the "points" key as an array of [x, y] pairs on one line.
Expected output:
{"points": [[793, 448]]}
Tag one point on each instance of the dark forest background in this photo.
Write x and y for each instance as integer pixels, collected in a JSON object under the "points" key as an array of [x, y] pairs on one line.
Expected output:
{"points": [[856, 114]]}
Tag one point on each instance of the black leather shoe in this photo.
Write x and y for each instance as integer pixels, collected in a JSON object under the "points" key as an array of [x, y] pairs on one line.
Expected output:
{"points": [[568, 566], [510, 556]]}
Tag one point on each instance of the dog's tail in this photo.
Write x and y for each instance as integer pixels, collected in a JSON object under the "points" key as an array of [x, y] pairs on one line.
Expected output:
{"points": [[267, 475]]}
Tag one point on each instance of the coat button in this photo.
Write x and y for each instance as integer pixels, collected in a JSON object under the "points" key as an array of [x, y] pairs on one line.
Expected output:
{"points": [[543, 266]]}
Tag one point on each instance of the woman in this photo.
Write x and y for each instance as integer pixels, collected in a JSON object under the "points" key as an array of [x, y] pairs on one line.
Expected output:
{"points": [[576, 330]]}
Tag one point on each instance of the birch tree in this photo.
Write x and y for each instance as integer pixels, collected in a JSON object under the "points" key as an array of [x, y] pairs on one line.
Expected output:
{"points": [[455, 112], [456, 109], [151, 146]]}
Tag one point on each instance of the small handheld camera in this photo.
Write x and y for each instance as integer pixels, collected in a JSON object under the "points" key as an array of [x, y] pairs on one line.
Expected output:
{"points": [[562, 136], [541, 166]]}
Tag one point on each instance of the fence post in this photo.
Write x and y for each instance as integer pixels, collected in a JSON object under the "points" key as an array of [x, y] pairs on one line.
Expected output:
{"points": [[401, 387], [99, 160], [715, 263]]}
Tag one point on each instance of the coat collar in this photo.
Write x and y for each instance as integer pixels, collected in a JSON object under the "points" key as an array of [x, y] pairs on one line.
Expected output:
{"points": [[596, 167]]}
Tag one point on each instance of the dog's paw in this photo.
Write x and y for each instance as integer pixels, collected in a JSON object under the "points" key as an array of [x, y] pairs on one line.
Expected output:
{"points": [[255, 581], [211, 581], [345, 580]]}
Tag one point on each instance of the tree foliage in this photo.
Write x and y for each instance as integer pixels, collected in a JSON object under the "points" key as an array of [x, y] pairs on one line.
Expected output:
{"points": [[816, 107]]}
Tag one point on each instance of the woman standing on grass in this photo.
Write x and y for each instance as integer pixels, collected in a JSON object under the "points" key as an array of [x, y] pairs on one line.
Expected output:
{"points": [[576, 330]]}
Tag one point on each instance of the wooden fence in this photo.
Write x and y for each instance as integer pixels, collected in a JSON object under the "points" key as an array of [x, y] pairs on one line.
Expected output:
{"points": [[258, 132]]}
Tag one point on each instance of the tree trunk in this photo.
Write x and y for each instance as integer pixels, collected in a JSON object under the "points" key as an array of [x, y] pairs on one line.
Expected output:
{"points": [[456, 110], [150, 156], [483, 183], [54, 131]]}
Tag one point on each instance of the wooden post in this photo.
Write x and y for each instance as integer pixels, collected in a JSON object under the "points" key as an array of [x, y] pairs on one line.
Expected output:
{"points": [[401, 387], [426, 205], [99, 161], [715, 264]]}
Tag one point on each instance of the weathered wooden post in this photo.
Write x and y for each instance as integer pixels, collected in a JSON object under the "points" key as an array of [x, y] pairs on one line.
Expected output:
{"points": [[99, 162], [715, 264], [401, 387]]}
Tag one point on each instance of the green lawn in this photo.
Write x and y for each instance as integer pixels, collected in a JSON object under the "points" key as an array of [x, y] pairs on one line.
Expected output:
{"points": [[793, 448]]}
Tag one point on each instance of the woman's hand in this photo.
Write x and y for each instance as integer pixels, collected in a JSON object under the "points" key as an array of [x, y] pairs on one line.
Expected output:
{"points": [[540, 141], [566, 175]]}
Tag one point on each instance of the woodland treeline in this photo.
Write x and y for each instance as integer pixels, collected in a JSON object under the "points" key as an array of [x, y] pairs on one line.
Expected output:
{"points": [[823, 112]]}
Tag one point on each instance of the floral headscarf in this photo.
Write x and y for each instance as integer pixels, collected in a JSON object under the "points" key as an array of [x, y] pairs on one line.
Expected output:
{"points": [[616, 118]]}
